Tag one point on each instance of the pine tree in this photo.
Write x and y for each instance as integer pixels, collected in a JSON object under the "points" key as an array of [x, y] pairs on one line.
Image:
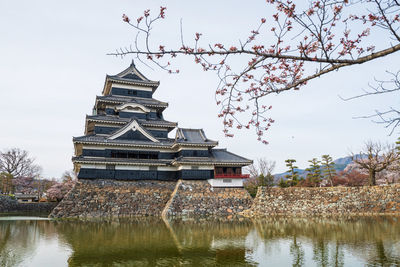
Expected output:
{"points": [[328, 168], [282, 183], [314, 172], [261, 180], [293, 176], [266, 180]]}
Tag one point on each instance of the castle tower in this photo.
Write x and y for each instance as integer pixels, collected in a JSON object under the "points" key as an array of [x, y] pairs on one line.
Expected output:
{"points": [[126, 138]]}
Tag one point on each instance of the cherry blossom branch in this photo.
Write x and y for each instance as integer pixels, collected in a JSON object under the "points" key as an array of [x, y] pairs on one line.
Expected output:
{"points": [[296, 47]]}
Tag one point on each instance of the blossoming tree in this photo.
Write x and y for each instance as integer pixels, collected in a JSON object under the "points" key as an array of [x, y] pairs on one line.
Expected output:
{"points": [[282, 53]]}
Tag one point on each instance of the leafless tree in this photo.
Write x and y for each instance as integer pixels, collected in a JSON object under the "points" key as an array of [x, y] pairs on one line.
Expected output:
{"points": [[375, 158], [260, 175], [298, 44], [18, 163], [263, 167]]}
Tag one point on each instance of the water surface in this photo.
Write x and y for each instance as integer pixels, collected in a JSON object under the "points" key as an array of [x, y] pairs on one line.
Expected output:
{"points": [[277, 241]]}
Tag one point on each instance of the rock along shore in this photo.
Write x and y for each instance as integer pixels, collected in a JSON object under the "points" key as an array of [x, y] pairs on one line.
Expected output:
{"points": [[326, 201], [110, 198], [10, 205]]}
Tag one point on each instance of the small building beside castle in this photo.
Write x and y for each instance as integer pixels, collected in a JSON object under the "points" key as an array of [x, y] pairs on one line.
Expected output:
{"points": [[127, 138]]}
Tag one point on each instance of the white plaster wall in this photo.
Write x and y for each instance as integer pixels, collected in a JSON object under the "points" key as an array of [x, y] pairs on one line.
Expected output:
{"points": [[226, 182], [93, 166], [191, 148], [135, 168], [200, 167]]}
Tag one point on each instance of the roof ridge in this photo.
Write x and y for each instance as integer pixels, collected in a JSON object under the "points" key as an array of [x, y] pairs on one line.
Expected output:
{"points": [[132, 70]]}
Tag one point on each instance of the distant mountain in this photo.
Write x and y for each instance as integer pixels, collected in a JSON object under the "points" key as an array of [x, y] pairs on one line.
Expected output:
{"points": [[340, 165], [345, 160]]}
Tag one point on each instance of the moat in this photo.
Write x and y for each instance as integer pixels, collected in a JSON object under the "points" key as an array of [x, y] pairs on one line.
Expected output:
{"points": [[276, 241]]}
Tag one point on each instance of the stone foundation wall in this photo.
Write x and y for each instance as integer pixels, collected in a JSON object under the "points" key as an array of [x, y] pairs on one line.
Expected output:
{"points": [[10, 205], [7, 204], [198, 198], [110, 198], [326, 200]]}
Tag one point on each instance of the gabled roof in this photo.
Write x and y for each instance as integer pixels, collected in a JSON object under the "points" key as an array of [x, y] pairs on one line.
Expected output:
{"points": [[132, 126], [187, 136], [191, 135], [132, 106], [131, 76], [132, 73]]}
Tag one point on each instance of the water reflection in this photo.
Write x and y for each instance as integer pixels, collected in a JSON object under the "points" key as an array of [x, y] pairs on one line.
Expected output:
{"points": [[278, 241], [373, 241], [22, 241], [155, 242]]}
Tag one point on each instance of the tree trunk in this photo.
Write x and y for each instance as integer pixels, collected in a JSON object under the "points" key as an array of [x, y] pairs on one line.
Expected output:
{"points": [[372, 175]]}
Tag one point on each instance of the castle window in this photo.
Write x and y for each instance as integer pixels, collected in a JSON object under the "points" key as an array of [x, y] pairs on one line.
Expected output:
{"points": [[110, 166], [219, 170]]}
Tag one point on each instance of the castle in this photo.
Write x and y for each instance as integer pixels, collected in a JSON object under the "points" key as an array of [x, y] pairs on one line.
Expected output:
{"points": [[126, 138]]}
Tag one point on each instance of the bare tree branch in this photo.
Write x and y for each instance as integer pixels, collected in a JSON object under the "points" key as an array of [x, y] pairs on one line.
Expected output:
{"points": [[375, 158], [17, 163], [391, 117]]}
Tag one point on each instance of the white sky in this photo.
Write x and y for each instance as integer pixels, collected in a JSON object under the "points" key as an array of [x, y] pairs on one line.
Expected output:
{"points": [[53, 63]]}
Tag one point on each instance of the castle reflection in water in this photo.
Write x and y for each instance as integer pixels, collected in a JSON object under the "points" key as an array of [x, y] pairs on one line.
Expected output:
{"points": [[278, 241]]}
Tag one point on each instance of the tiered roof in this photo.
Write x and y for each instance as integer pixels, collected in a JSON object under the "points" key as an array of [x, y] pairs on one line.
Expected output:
{"points": [[148, 102], [141, 132], [218, 157], [121, 121]]}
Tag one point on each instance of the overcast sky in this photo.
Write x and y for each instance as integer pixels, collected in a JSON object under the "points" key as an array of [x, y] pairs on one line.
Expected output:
{"points": [[53, 63]]}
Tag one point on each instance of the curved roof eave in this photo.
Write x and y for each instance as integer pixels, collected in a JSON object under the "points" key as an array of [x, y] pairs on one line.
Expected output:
{"points": [[114, 79]]}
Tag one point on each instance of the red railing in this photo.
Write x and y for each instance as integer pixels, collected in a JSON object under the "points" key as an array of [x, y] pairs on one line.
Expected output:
{"points": [[225, 175]]}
